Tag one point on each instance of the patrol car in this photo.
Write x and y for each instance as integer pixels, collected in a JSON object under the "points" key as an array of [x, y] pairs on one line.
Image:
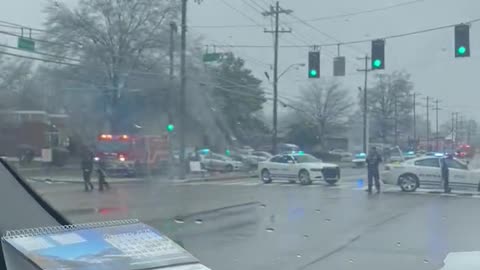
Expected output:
{"points": [[425, 171], [300, 167]]}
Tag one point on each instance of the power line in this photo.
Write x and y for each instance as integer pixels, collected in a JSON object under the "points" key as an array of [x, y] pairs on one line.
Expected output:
{"points": [[344, 15], [358, 41], [241, 13], [38, 59], [19, 26], [321, 32], [40, 53], [351, 14]]}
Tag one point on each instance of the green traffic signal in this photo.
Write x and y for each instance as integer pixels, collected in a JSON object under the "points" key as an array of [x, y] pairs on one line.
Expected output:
{"points": [[313, 73], [170, 127], [227, 152], [377, 63], [461, 50]]}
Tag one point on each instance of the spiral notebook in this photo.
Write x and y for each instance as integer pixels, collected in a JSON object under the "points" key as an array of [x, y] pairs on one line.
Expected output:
{"points": [[124, 244]]}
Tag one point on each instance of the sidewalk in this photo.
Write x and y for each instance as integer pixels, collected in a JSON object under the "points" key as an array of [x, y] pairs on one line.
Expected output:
{"points": [[158, 178]]}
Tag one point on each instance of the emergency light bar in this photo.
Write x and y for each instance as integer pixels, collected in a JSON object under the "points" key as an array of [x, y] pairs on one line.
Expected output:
{"points": [[106, 136]]}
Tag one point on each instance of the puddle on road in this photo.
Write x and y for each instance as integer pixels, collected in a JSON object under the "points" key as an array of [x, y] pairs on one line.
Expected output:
{"points": [[179, 221]]}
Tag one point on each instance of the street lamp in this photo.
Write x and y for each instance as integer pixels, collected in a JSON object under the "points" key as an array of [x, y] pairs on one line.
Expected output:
{"points": [[275, 100], [285, 71]]}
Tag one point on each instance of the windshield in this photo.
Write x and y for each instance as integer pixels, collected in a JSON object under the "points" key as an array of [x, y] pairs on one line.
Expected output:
{"points": [[112, 146], [256, 134], [305, 158]]}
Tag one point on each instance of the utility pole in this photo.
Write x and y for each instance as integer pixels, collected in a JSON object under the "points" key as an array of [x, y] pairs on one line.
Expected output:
{"points": [[365, 103], [415, 121], [453, 131], [462, 129], [183, 86], [436, 125], [469, 131], [173, 31], [396, 118], [456, 130], [428, 123], [276, 11]]}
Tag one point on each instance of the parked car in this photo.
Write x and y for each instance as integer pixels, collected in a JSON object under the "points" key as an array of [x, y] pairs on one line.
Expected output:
{"points": [[425, 171], [359, 160], [216, 162], [303, 168], [344, 155]]}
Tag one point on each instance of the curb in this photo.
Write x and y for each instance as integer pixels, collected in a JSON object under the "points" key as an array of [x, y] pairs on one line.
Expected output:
{"points": [[133, 180], [213, 179], [48, 180]]}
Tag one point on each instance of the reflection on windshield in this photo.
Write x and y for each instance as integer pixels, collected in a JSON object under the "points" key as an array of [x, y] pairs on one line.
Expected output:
{"points": [[199, 115], [112, 146], [305, 158]]}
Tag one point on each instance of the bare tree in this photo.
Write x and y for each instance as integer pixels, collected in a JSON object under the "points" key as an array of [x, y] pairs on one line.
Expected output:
{"points": [[389, 103], [323, 111], [114, 38], [14, 76]]}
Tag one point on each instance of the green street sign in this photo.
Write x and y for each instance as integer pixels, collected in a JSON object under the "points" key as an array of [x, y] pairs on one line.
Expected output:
{"points": [[26, 44], [211, 57]]}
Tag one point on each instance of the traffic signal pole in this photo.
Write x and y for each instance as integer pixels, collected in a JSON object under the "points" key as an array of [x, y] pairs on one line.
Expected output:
{"points": [[183, 85], [275, 11], [173, 30], [437, 143], [365, 103], [428, 123]]}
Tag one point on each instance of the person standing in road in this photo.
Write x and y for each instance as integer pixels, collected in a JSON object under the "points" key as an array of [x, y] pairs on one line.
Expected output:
{"points": [[373, 161], [102, 182], [445, 173], [87, 168]]}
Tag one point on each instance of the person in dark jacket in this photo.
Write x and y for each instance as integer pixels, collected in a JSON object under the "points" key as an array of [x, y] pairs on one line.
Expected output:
{"points": [[102, 182], [87, 168], [445, 173], [373, 161]]}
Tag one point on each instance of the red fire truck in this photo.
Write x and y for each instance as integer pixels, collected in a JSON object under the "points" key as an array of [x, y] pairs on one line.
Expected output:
{"points": [[132, 155], [465, 151]]}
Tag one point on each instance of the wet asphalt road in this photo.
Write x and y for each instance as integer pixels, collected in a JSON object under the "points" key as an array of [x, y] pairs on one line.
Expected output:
{"points": [[243, 224]]}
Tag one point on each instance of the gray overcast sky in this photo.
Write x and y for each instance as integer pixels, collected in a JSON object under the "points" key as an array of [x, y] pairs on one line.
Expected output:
{"points": [[428, 57]]}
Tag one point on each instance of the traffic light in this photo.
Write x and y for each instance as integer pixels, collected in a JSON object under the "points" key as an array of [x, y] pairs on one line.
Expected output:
{"points": [[339, 66], [378, 54], [313, 64], [227, 152], [462, 40], [170, 127]]}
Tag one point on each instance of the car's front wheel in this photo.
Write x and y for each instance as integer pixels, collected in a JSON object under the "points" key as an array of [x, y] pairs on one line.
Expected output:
{"points": [[229, 168], [331, 182], [304, 177], [265, 176], [408, 182]]}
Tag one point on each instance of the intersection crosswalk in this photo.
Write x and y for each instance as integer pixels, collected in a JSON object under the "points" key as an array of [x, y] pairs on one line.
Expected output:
{"points": [[347, 185]]}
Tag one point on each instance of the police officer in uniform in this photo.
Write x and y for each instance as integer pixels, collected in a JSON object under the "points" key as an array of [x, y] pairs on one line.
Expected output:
{"points": [[102, 182], [373, 161], [87, 168], [445, 173]]}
